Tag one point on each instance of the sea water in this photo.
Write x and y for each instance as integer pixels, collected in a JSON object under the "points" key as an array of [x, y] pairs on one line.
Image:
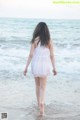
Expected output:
{"points": [[15, 36]]}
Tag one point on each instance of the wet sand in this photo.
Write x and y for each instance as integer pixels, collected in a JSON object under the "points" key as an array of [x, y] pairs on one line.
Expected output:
{"points": [[52, 112], [17, 99]]}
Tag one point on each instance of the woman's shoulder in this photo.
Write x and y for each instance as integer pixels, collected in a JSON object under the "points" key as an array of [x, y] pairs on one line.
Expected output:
{"points": [[50, 43], [37, 38], [36, 41]]}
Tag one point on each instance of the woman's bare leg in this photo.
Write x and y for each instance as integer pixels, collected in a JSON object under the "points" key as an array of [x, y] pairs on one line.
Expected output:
{"points": [[42, 93], [37, 83]]}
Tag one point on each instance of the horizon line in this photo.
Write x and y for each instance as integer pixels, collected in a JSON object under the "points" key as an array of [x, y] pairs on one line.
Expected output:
{"points": [[42, 18]]}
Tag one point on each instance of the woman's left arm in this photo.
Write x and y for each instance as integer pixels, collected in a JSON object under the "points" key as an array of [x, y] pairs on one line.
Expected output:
{"points": [[29, 57]]}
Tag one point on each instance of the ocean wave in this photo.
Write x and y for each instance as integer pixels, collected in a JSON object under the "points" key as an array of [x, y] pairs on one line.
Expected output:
{"points": [[66, 45]]}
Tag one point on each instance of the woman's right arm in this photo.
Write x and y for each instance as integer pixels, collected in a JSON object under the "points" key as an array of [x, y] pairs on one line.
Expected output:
{"points": [[29, 58], [52, 57]]}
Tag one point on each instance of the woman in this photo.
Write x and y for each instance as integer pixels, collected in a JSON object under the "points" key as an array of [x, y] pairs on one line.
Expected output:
{"points": [[41, 54]]}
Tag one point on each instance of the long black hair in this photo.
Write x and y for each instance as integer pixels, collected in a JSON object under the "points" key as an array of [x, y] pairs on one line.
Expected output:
{"points": [[42, 32]]}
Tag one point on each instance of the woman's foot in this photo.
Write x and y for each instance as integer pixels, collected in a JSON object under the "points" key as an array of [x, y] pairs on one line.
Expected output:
{"points": [[39, 106], [41, 109]]}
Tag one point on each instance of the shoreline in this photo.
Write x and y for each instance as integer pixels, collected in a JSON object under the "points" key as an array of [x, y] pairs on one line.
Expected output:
{"points": [[18, 99], [52, 111]]}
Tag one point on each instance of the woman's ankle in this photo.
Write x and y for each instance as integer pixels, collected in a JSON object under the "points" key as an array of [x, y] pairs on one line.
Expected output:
{"points": [[42, 106]]}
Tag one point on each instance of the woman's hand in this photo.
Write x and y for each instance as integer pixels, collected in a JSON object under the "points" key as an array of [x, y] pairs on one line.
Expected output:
{"points": [[25, 71], [55, 72]]}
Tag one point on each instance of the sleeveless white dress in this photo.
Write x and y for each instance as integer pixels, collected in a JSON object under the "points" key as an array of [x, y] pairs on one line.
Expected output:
{"points": [[41, 63]]}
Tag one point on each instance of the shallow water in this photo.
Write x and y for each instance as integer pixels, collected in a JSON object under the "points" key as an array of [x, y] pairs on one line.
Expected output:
{"points": [[52, 112], [18, 100]]}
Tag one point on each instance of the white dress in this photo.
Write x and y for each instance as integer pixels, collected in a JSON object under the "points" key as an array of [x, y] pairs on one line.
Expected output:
{"points": [[41, 63]]}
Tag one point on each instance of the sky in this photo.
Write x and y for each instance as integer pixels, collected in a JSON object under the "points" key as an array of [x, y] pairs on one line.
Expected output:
{"points": [[38, 9]]}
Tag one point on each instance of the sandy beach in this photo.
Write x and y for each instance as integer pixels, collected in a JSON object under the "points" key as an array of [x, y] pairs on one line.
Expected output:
{"points": [[63, 103], [53, 112]]}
